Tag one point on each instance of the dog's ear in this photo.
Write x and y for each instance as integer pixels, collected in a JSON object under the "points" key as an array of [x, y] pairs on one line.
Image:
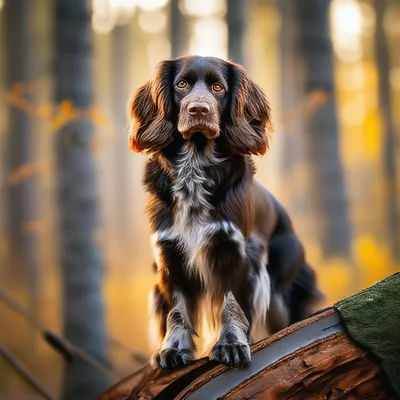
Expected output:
{"points": [[249, 121], [152, 111]]}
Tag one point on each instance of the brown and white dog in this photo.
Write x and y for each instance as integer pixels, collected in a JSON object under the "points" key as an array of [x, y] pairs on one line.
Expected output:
{"points": [[226, 253]]}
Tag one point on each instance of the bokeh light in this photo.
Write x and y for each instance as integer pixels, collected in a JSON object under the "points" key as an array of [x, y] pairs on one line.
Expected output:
{"points": [[151, 5], [108, 13], [203, 8], [209, 38], [347, 27], [157, 50], [153, 22]]}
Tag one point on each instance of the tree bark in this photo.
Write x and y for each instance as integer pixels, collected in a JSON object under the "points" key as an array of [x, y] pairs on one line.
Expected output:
{"points": [[236, 18], [81, 261], [389, 130], [334, 369], [290, 89], [329, 193], [20, 144]]}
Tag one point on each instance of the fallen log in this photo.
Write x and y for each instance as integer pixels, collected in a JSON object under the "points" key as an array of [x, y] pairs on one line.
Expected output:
{"points": [[317, 358]]}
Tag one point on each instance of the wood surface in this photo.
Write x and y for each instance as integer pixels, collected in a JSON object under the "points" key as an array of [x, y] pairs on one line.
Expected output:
{"points": [[334, 368], [331, 368]]}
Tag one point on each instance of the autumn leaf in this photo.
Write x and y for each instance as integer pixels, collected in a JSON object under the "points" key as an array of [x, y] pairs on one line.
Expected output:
{"points": [[44, 110], [67, 109], [96, 116], [57, 122]]}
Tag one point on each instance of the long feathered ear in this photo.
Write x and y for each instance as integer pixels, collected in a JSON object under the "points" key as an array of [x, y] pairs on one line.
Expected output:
{"points": [[152, 111], [249, 121]]}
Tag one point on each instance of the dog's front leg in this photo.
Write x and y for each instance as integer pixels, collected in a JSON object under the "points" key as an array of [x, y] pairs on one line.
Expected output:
{"points": [[178, 347], [232, 347]]}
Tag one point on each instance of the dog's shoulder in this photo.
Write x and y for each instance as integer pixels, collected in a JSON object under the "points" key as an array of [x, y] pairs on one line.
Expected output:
{"points": [[156, 179]]}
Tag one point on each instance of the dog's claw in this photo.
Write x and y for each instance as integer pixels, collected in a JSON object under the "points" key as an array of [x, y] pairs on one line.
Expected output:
{"points": [[236, 355], [174, 358]]}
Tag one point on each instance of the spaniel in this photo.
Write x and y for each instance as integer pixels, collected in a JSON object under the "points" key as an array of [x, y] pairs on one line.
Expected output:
{"points": [[227, 258]]}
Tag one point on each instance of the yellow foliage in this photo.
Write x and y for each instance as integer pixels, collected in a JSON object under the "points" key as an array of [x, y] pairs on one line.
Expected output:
{"points": [[96, 116], [57, 122], [22, 172], [334, 278], [67, 109], [339, 278], [373, 258], [372, 136], [314, 252], [25, 171], [44, 110]]}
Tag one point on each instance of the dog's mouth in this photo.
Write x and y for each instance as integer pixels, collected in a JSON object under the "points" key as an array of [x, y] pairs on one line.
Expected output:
{"points": [[209, 132], [207, 125]]}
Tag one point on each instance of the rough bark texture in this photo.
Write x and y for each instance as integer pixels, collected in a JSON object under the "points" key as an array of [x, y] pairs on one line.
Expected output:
{"points": [[81, 261], [389, 131], [330, 369], [329, 189]]}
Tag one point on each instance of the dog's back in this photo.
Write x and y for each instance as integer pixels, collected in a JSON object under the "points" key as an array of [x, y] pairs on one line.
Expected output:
{"points": [[293, 281]]}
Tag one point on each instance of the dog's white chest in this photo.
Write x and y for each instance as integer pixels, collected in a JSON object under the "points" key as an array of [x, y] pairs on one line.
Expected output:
{"points": [[191, 192], [194, 226], [191, 217]]}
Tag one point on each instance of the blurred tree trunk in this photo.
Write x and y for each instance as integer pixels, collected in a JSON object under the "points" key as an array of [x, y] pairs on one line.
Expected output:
{"points": [[20, 147], [289, 82], [120, 92], [389, 131], [292, 130], [81, 261], [177, 30], [236, 16], [328, 192]]}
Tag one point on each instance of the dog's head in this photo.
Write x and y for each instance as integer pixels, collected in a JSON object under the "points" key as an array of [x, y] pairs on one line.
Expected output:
{"points": [[204, 96]]}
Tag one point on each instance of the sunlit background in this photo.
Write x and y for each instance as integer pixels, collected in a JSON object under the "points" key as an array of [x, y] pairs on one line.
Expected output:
{"points": [[333, 161]]}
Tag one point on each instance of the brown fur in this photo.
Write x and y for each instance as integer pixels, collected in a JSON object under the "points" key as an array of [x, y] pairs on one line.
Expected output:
{"points": [[213, 224]]}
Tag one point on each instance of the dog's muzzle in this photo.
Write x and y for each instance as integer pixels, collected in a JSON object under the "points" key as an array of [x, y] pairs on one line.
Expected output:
{"points": [[198, 116]]}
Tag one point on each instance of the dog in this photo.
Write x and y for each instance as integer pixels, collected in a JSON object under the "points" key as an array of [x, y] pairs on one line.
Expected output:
{"points": [[226, 254]]}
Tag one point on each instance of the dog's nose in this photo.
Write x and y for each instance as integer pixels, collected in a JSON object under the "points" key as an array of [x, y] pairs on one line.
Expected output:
{"points": [[198, 109]]}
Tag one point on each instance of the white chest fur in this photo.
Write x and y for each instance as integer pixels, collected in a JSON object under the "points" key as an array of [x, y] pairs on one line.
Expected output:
{"points": [[193, 224]]}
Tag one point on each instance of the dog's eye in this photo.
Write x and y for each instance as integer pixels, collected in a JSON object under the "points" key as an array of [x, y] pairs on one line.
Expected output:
{"points": [[217, 87], [181, 84]]}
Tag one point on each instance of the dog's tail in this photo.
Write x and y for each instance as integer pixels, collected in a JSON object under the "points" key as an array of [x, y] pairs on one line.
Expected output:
{"points": [[305, 297]]}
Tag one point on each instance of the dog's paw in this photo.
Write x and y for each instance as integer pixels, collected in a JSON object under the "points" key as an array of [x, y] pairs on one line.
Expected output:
{"points": [[236, 355], [173, 358]]}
